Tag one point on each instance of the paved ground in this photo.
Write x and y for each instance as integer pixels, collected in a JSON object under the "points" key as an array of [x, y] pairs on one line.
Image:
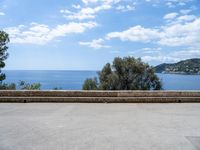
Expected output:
{"points": [[36, 126]]}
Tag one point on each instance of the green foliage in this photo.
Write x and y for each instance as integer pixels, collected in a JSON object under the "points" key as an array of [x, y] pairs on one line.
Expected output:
{"points": [[27, 86], [4, 39], [90, 84], [22, 86], [4, 86], [125, 73]]}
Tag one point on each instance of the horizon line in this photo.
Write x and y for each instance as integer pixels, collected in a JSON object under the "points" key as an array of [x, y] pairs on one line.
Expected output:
{"points": [[46, 70]]}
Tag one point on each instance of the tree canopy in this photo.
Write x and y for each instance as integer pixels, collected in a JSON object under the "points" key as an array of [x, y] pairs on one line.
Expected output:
{"points": [[4, 39], [126, 73]]}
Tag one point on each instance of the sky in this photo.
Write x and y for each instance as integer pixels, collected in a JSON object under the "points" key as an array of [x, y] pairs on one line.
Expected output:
{"points": [[86, 34]]}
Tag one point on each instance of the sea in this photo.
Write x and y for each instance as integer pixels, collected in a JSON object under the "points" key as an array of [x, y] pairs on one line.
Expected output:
{"points": [[73, 80]]}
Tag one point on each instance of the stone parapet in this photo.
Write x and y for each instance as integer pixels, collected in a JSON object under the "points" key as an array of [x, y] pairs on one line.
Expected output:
{"points": [[100, 96]]}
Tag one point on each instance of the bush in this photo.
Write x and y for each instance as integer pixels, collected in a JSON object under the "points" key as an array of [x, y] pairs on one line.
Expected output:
{"points": [[22, 86], [4, 86], [125, 73], [27, 86]]}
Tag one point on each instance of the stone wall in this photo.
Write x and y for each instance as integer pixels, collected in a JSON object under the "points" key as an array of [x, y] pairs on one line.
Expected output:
{"points": [[100, 96]]}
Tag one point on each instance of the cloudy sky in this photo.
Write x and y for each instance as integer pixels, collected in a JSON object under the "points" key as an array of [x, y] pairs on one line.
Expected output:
{"points": [[85, 34]]}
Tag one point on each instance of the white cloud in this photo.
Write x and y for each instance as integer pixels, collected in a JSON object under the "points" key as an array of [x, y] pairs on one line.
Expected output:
{"points": [[89, 1], [100, 1], [147, 50], [179, 1], [174, 3], [186, 54], [170, 16], [174, 18], [65, 11], [185, 11], [180, 33], [170, 4], [91, 8], [159, 58], [2, 13], [125, 8], [87, 12], [96, 44], [173, 56], [76, 6], [151, 50], [186, 18], [42, 34], [135, 34]]}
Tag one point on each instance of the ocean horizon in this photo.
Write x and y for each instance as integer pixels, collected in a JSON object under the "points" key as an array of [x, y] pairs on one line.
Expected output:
{"points": [[74, 79]]}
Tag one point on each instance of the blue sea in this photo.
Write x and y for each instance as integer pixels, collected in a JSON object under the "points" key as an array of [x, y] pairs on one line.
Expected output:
{"points": [[73, 80]]}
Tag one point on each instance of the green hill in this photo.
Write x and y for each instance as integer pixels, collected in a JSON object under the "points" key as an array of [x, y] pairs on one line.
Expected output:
{"points": [[189, 66]]}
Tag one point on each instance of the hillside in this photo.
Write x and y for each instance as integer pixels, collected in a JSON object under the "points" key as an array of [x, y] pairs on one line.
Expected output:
{"points": [[189, 66]]}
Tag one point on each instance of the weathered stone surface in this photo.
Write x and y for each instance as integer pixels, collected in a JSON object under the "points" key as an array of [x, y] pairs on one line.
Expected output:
{"points": [[57, 93], [63, 93], [159, 93], [101, 96]]}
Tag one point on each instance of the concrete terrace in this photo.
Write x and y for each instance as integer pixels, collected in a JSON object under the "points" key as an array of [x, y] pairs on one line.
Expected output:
{"points": [[75, 126]]}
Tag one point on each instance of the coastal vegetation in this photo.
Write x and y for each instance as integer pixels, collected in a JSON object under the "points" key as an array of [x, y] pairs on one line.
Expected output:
{"points": [[4, 39], [22, 85], [27, 86], [126, 73], [189, 66], [6, 86]]}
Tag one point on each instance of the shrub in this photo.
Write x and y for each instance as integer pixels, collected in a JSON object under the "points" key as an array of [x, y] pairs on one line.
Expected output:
{"points": [[27, 86], [4, 86]]}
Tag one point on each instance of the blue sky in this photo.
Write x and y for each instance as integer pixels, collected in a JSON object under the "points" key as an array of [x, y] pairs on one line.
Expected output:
{"points": [[86, 34]]}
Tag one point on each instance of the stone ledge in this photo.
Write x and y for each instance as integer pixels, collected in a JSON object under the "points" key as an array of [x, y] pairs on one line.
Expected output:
{"points": [[101, 99], [100, 96], [63, 93]]}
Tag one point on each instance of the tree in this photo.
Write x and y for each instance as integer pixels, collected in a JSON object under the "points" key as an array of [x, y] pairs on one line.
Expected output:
{"points": [[4, 39], [125, 73]]}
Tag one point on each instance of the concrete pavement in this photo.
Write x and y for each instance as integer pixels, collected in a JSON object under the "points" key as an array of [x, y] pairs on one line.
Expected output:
{"points": [[71, 126]]}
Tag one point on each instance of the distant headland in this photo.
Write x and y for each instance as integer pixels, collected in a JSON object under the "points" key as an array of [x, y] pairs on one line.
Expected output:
{"points": [[189, 66]]}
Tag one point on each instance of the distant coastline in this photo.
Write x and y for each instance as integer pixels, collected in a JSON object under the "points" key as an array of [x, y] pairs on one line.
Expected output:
{"points": [[179, 73], [185, 67]]}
